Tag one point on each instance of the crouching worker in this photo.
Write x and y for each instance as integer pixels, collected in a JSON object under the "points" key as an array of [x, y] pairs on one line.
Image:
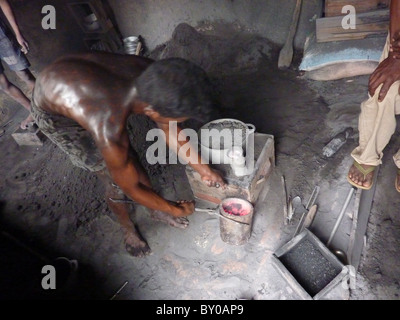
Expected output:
{"points": [[82, 103]]}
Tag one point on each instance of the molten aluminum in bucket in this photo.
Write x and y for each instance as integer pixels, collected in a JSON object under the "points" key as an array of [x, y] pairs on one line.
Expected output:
{"points": [[235, 227]]}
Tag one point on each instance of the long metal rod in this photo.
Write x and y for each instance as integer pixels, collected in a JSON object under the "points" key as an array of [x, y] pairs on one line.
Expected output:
{"points": [[339, 219], [214, 212]]}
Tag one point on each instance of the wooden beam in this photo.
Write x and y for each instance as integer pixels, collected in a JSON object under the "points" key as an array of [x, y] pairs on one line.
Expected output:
{"points": [[334, 7], [369, 24]]}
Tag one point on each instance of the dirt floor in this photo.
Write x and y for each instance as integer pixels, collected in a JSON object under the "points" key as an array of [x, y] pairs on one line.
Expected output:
{"points": [[55, 209]]}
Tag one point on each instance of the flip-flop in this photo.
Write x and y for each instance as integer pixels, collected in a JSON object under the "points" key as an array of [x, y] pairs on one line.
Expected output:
{"points": [[395, 182], [365, 172]]}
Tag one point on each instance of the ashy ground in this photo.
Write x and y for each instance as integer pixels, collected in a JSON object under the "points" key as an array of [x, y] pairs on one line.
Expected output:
{"points": [[51, 208]]}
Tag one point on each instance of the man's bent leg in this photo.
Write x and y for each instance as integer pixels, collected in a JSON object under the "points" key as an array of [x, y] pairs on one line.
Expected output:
{"points": [[134, 243]]}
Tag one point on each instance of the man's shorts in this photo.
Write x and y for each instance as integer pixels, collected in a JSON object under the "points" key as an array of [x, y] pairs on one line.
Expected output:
{"points": [[70, 137], [11, 54]]}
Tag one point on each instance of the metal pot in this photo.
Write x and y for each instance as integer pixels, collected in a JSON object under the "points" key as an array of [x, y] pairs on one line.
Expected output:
{"points": [[210, 141]]}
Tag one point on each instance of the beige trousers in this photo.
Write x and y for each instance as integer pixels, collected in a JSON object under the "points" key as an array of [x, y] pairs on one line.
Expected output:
{"points": [[377, 123]]}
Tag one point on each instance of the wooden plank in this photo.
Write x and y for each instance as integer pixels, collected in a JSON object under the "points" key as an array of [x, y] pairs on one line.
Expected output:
{"points": [[334, 7], [370, 24]]}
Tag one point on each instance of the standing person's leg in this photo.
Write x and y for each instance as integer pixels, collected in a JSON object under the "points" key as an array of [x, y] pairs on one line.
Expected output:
{"points": [[29, 79], [396, 157], [11, 54], [14, 92]]}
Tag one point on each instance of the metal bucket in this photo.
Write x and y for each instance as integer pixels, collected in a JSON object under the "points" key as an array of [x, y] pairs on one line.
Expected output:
{"points": [[236, 220], [215, 150]]}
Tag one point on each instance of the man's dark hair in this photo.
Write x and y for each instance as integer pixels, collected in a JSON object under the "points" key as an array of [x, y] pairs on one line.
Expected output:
{"points": [[176, 88]]}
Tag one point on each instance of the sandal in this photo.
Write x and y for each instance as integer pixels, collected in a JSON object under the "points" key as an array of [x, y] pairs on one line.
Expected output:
{"points": [[365, 172], [397, 180]]}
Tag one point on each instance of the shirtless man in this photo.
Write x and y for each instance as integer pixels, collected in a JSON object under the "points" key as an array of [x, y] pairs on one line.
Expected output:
{"points": [[12, 52], [377, 121], [82, 103]]}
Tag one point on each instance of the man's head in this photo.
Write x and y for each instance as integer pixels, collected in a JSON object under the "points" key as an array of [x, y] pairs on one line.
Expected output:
{"points": [[176, 89]]}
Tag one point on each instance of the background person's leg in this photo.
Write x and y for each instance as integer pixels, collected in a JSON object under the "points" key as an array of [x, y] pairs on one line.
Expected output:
{"points": [[29, 79], [15, 93]]}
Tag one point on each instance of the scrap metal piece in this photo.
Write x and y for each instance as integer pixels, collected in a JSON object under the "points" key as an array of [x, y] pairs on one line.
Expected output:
{"points": [[286, 204], [119, 290], [340, 217], [122, 200], [313, 197], [290, 211]]}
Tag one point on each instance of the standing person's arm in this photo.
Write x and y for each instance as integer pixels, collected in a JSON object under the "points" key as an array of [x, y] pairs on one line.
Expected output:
{"points": [[9, 14], [388, 71], [394, 21]]}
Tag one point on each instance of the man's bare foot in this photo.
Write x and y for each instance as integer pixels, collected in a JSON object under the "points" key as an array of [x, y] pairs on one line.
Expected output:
{"points": [[25, 124], [361, 175], [181, 223], [136, 246]]}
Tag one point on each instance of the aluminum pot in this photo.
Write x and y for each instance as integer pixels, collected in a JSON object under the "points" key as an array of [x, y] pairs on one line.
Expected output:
{"points": [[212, 148]]}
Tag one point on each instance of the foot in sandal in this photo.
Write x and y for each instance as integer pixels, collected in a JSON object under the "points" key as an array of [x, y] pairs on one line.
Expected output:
{"points": [[397, 182], [361, 175]]}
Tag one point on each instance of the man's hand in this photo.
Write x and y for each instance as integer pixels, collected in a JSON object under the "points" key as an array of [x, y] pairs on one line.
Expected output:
{"points": [[186, 208], [23, 43], [213, 179], [387, 73], [395, 45]]}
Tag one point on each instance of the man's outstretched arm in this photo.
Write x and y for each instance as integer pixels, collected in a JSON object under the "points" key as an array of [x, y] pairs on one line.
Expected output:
{"points": [[125, 175], [208, 175]]}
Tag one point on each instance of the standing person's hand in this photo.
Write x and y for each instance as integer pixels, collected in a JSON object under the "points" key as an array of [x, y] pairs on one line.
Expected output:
{"points": [[395, 45], [387, 73], [23, 43]]}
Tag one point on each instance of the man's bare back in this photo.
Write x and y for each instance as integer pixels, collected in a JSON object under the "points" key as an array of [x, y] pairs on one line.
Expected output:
{"points": [[99, 91]]}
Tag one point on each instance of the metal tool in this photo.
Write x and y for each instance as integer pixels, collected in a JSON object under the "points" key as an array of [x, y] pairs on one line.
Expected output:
{"points": [[313, 197], [122, 201], [286, 206], [298, 206], [340, 217], [119, 290], [310, 203], [295, 206], [214, 212], [6, 124]]}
